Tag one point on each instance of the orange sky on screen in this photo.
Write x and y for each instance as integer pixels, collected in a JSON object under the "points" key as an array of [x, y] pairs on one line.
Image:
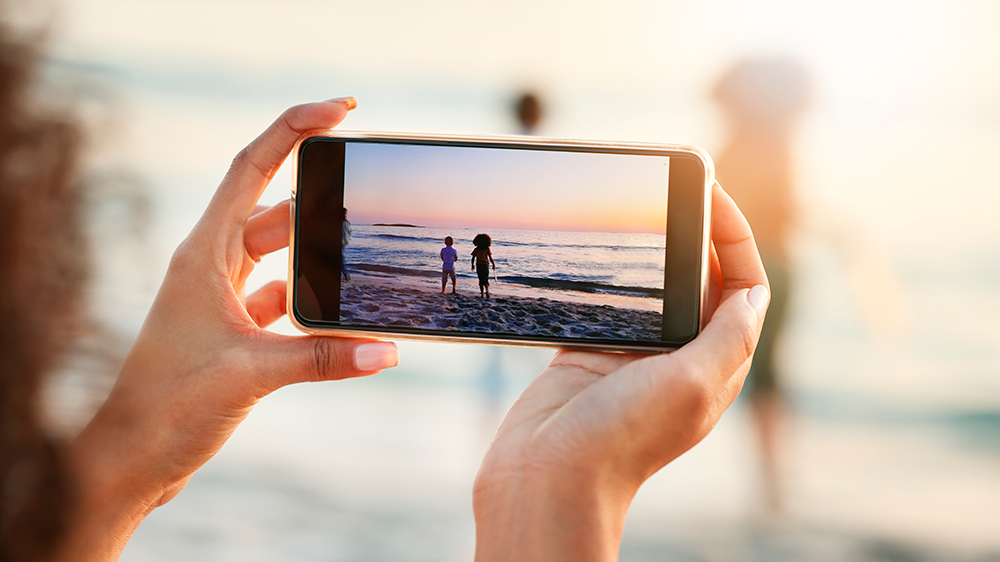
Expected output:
{"points": [[503, 188]]}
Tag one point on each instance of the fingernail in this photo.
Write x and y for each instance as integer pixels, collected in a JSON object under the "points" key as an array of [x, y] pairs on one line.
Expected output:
{"points": [[350, 101], [758, 297], [376, 356]]}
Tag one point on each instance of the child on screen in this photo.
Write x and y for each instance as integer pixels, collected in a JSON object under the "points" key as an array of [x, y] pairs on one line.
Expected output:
{"points": [[448, 258]]}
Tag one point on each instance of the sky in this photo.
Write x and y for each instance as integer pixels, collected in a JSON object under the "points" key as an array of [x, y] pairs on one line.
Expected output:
{"points": [[508, 189], [895, 159], [903, 88]]}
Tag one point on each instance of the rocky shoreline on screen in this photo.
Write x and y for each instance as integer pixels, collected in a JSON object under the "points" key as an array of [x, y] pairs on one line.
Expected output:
{"points": [[375, 305]]}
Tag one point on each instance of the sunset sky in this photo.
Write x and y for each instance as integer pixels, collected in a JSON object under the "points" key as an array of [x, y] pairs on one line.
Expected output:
{"points": [[505, 188]]}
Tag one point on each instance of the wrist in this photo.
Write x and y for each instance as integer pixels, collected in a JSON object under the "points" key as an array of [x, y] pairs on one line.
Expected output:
{"points": [[115, 489], [542, 512]]}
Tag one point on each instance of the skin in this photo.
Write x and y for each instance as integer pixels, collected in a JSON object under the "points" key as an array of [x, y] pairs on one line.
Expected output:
{"points": [[202, 360], [575, 447], [567, 460]]}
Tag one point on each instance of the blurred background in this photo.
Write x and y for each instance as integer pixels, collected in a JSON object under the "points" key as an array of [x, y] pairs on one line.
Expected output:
{"points": [[881, 436]]}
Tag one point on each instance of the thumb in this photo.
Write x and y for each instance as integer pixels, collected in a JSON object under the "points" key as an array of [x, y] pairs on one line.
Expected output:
{"points": [[294, 359], [728, 341]]}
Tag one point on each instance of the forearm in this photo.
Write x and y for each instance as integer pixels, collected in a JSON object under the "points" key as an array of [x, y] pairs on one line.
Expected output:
{"points": [[549, 517], [112, 497], [126, 461]]}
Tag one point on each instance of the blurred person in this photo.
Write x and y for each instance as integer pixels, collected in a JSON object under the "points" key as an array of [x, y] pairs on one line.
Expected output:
{"points": [[528, 111], [345, 239], [556, 482], [528, 114], [43, 267], [763, 99]]}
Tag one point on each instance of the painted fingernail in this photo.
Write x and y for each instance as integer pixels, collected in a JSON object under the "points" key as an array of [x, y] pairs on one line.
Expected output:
{"points": [[376, 356], [758, 297], [350, 101]]}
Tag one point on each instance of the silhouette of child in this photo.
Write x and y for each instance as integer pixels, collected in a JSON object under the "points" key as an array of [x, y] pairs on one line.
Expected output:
{"points": [[448, 258], [482, 257]]}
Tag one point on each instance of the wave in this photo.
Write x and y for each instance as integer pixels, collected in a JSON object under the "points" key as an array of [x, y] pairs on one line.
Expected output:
{"points": [[534, 282], [435, 239], [502, 243], [392, 270], [582, 286]]}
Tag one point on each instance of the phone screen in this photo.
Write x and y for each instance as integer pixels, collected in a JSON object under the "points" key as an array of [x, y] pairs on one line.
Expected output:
{"points": [[489, 241]]}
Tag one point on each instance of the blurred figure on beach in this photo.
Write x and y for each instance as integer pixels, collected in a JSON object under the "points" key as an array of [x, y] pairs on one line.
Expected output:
{"points": [[482, 257], [449, 256], [763, 99], [529, 112], [345, 239]]}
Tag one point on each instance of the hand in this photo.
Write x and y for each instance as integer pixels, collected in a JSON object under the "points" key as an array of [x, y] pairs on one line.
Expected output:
{"points": [[575, 447], [202, 360]]}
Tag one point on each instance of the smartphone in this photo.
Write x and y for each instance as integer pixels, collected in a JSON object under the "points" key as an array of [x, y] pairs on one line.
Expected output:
{"points": [[511, 240]]}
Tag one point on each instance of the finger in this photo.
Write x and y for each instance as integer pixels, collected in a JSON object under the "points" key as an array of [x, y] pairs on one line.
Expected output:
{"points": [[256, 164], [268, 231], [728, 340], [292, 359], [268, 303], [258, 208], [739, 260]]}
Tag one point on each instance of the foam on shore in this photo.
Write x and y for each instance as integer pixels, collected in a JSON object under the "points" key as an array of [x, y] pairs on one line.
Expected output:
{"points": [[384, 305]]}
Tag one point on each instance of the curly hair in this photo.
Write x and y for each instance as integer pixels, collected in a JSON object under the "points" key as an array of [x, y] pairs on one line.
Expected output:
{"points": [[43, 269], [482, 241]]}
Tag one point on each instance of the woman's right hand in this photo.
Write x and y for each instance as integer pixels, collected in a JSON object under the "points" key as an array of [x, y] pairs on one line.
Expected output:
{"points": [[202, 358]]}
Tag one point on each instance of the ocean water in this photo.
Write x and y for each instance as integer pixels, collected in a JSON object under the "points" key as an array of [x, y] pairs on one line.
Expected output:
{"points": [[574, 262], [894, 414]]}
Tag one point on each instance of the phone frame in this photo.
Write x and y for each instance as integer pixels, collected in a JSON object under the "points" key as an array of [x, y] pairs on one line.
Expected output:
{"points": [[523, 142]]}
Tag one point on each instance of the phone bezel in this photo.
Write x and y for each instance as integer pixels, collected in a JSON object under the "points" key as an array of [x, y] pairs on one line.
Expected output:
{"points": [[530, 143]]}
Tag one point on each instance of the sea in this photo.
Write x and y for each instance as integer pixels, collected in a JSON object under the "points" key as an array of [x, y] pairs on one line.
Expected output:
{"points": [[528, 262], [890, 362]]}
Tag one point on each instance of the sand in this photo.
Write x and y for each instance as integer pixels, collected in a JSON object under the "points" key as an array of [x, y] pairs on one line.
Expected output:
{"points": [[380, 305]]}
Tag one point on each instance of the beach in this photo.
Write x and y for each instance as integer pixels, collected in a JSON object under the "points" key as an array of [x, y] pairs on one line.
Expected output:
{"points": [[892, 454], [582, 285], [382, 468], [382, 304]]}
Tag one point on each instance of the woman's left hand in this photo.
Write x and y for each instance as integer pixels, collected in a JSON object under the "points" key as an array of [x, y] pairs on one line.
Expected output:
{"points": [[573, 450], [202, 359]]}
